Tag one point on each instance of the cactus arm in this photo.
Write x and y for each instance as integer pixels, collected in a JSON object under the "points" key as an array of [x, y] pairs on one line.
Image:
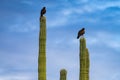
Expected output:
{"points": [[63, 74]]}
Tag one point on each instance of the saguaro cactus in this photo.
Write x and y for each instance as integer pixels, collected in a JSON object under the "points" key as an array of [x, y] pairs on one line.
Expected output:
{"points": [[84, 60], [63, 74], [42, 50]]}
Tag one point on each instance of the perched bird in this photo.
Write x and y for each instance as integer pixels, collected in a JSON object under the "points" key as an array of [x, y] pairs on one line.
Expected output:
{"points": [[43, 11], [81, 32]]}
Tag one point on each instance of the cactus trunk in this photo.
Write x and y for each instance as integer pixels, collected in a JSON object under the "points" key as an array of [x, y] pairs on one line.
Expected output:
{"points": [[63, 74], [42, 50], [84, 60]]}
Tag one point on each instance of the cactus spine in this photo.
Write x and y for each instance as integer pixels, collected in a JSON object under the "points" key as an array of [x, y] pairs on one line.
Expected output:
{"points": [[42, 50], [84, 60], [63, 74]]}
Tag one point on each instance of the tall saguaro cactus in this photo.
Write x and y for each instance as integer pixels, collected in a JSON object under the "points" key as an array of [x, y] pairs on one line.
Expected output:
{"points": [[63, 74], [42, 50], [84, 60]]}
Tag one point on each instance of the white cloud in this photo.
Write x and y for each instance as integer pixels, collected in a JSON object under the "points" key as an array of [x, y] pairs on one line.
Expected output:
{"points": [[25, 27], [57, 22], [62, 17], [27, 2], [104, 38], [81, 1], [66, 15], [105, 5], [66, 12], [93, 6]]}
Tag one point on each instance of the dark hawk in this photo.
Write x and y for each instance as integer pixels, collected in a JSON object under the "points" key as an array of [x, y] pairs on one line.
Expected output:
{"points": [[81, 32], [43, 11]]}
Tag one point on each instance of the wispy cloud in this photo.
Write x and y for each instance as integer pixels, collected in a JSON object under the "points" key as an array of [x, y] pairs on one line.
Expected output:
{"points": [[71, 14], [93, 6], [23, 23], [57, 22], [106, 39], [28, 2], [25, 27]]}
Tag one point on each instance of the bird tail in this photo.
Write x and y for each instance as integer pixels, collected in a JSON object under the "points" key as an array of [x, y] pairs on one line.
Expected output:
{"points": [[77, 37]]}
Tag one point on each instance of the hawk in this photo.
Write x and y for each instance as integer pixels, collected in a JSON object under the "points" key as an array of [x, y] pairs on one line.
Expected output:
{"points": [[81, 32], [43, 11]]}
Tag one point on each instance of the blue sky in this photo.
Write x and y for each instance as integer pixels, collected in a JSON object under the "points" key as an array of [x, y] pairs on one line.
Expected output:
{"points": [[19, 32]]}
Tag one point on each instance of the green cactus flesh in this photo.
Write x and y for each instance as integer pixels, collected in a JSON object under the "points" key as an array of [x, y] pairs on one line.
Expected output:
{"points": [[42, 50], [63, 74], [84, 60]]}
